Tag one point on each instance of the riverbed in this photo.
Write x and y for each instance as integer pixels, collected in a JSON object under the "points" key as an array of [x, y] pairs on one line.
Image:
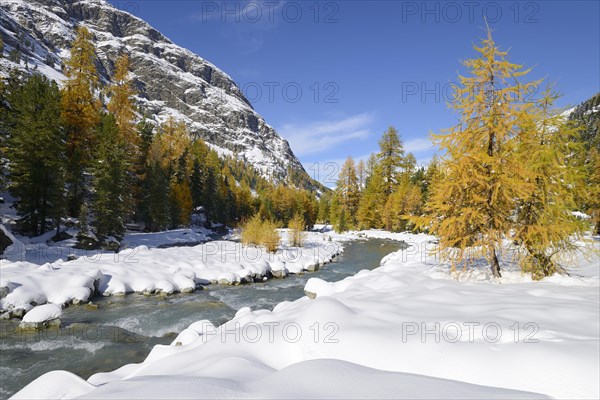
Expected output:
{"points": [[123, 330]]}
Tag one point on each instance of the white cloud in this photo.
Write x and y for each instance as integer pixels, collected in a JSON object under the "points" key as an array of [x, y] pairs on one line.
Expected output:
{"points": [[317, 137], [418, 145]]}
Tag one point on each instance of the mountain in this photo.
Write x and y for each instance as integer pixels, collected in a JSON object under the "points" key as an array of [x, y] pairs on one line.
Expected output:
{"points": [[587, 115], [170, 80]]}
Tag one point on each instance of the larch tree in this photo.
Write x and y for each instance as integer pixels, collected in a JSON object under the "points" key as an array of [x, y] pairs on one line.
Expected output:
{"points": [[545, 226], [37, 154], [391, 159], [372, 200], [348, 190], [471, 209], [81, 114], [361, 174], [121, 105]]}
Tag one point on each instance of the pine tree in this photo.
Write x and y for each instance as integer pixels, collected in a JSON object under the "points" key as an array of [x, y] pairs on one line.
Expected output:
{"points": [[111, 180], [37, 154], [80, 112], [156, 199], [391, 159], [472, 207], [545, 226], [140, 171]]}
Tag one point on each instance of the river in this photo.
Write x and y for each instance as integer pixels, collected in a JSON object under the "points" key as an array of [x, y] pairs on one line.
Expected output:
{"points": [[123, 330]]}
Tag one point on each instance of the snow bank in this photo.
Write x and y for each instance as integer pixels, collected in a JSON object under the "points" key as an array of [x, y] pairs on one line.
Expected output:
{"points": [[405, 330], [160, 271]]}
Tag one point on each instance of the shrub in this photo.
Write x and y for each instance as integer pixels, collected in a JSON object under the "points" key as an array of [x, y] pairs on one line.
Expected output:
{"points": [[260, 233], [296, 233]]}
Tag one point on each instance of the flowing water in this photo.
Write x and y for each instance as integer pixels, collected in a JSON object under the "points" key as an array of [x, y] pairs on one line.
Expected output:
{"points": [[124, 329]]}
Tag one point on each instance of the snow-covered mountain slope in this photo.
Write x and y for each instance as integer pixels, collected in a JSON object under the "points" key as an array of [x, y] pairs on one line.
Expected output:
{"points": [[170, 80]]}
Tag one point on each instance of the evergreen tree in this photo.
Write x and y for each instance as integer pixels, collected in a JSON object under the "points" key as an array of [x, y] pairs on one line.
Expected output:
{"points": [[80, 112], [472, 207], [111, 180], [156, 199], [140, 171], [37, 154]]}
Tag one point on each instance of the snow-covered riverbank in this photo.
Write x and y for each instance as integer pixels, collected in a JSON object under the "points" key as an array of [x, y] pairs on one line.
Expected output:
{"points": [[368, 335], [154, 271]]}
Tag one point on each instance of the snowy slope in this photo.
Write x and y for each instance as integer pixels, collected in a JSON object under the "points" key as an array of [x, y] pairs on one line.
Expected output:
{"points": [[404, 330], [171, 81]]}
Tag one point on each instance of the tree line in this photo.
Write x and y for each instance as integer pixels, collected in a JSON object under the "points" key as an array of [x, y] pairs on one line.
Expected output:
{"points": [[69, 155]]}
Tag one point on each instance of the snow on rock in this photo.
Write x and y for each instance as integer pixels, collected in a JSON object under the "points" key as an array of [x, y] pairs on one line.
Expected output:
{"points": [[43, 313], [407, 329], [41, 317]]}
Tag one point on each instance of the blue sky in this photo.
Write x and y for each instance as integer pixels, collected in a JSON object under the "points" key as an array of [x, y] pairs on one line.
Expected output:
{"points": [[331, 76]]}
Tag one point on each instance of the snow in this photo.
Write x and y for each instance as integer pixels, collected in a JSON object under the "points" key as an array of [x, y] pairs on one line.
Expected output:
{"points": [[153, 270], [408, 329], [46, 312]]}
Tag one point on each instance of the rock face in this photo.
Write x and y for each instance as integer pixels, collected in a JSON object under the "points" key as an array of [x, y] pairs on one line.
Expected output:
{"points": [[170, 80]]}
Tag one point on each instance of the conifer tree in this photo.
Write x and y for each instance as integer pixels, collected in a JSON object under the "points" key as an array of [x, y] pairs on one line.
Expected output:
{"points": [[324, 208], [592, 204], [156, 199], [373, 200], [80, 112], [37, 154], [391, 159], [361, 174], [111, 180], [297, 225], [545, 225], [404, 202], [348, 190], [472, 207], [121, 105]]}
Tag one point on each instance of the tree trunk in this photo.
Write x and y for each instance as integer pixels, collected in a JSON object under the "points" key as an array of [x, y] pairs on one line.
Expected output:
{"points": [[495, 265]]}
